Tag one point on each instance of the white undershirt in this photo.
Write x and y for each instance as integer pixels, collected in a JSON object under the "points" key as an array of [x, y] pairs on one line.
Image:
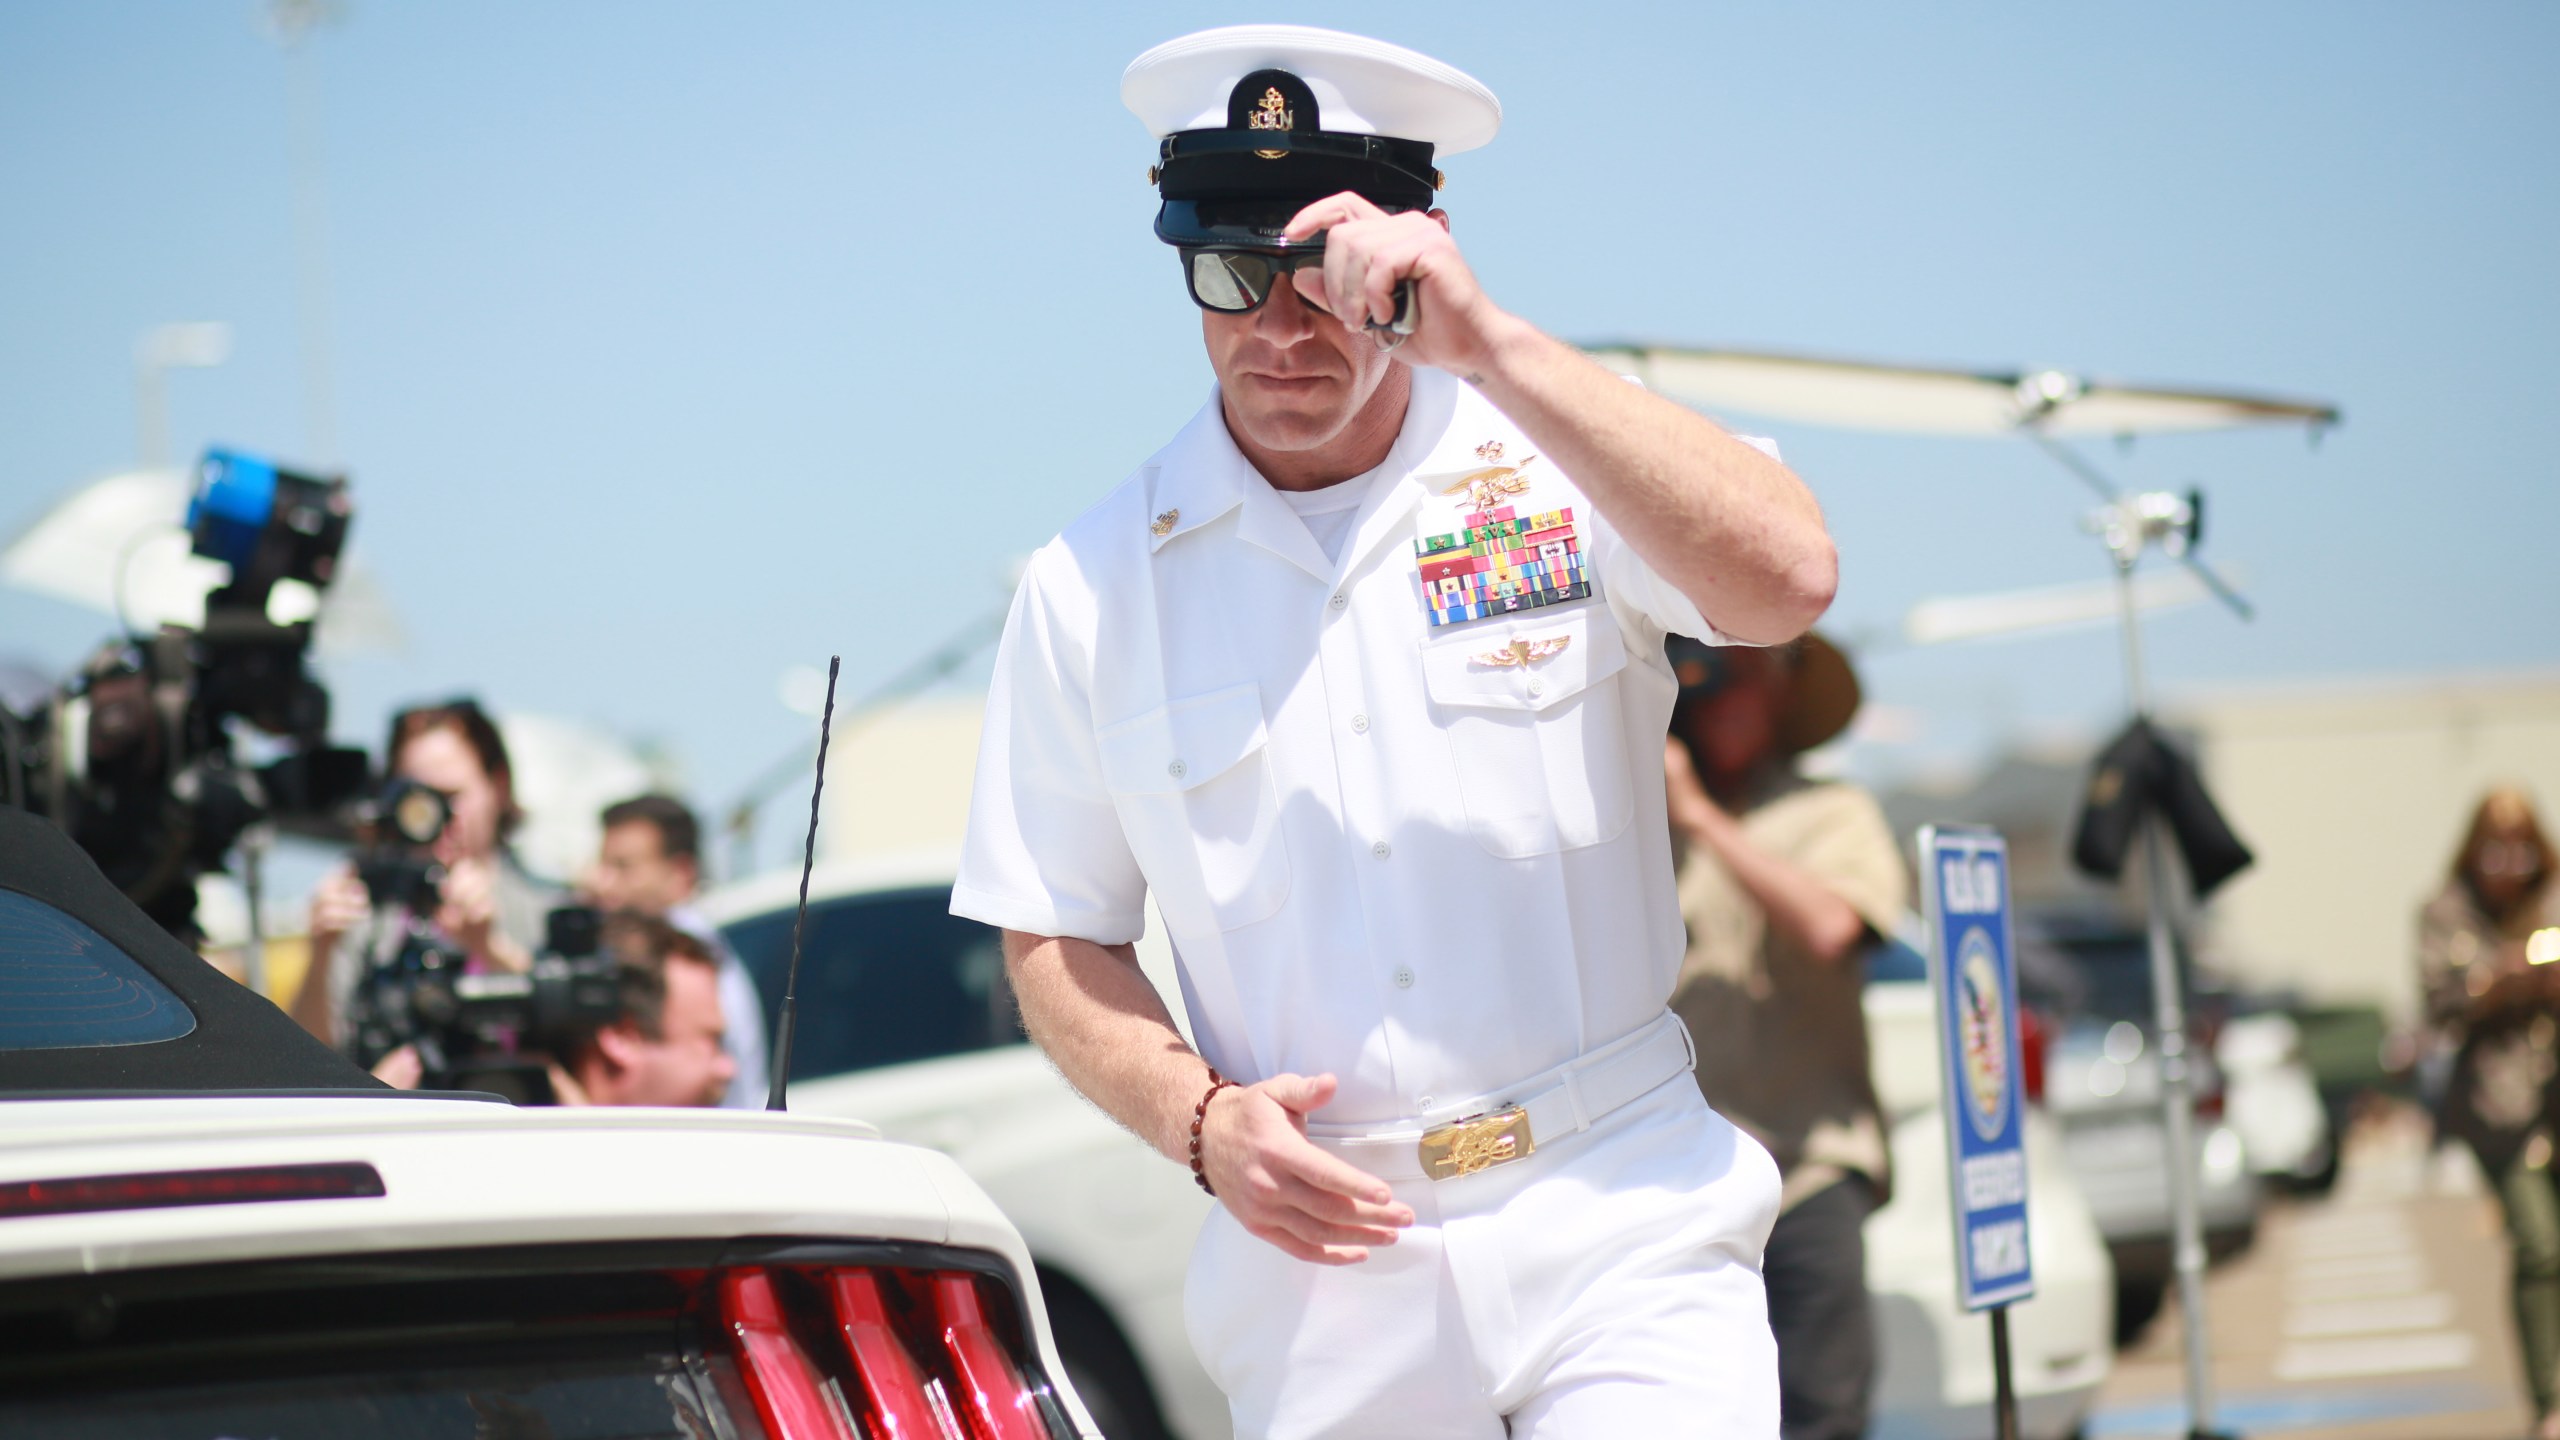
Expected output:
{"points": [[1328, 512]]}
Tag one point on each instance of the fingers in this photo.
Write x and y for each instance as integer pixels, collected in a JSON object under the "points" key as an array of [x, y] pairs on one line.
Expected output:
{"points": [[1301, 1094], [1326, 213]]}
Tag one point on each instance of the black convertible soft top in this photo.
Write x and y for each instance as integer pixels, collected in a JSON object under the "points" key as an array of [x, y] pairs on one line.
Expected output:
{"points": [[237, 1041]]}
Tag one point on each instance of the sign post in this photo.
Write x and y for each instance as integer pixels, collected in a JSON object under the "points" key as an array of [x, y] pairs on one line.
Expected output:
{"points": [[1973, 974]]}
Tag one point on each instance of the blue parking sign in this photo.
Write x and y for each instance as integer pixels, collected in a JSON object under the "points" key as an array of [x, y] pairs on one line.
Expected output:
{"points": [[1974, 975]]}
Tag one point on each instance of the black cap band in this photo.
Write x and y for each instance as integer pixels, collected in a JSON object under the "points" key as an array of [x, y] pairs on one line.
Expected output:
{"points": [[1273, 154]]}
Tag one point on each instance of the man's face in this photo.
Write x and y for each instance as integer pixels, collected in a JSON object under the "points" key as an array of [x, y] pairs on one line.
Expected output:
{"points": [[685, 1065], [1293, 378], [633, 871], [1737, 726]]}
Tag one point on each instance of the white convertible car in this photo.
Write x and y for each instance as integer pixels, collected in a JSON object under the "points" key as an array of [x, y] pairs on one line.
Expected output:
{"points": [[210, 1225], [906, 1023]]}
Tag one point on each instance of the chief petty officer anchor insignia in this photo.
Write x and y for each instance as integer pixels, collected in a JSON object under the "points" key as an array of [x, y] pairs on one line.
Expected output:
{"points": [[1499, 561]]}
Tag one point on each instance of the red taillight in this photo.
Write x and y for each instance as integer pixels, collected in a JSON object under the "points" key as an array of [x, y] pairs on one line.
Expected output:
{"points": [[891, 1381], [926, 1357], [161, 1190], [2031, 1051], [789, 1396], [998, 1404]]}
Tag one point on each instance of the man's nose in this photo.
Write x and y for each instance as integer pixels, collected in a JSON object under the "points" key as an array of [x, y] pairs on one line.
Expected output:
{"points": [[1286, 318]]}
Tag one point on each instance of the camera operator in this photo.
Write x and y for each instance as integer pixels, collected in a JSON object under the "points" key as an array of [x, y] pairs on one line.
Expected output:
{"points": [[650, 862], [665, 1047], [488, 906]]}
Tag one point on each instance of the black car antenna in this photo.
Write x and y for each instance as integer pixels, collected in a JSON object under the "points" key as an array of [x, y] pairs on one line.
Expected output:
{"points": [[808, 859]]}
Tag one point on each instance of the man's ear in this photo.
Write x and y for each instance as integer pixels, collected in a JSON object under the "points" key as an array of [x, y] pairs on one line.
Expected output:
{"points": [[692, 868], [1442, 216], [620, 1044]]}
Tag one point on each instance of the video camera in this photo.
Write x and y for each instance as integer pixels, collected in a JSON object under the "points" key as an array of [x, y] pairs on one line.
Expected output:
{"points": [[489, 1032], [134, 756]]}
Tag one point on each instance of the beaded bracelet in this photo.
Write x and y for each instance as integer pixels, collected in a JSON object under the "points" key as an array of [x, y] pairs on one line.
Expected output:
{"points": [[1200, 1117]]}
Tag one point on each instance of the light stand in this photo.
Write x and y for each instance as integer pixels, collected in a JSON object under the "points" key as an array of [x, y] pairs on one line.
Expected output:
{"points": [[2130, 524]]}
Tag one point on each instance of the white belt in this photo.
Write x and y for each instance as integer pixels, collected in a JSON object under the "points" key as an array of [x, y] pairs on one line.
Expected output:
{"points": [[1507, 1124]]}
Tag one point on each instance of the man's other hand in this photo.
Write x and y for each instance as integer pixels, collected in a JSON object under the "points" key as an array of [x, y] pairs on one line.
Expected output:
{"points": [[1281, 1187]]}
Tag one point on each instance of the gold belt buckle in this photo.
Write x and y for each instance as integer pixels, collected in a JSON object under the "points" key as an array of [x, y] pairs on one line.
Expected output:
{"points": [[1479, 1142]]}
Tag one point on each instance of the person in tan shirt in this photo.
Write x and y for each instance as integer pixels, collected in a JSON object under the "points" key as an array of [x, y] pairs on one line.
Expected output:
{"points": [[1786, 883]]}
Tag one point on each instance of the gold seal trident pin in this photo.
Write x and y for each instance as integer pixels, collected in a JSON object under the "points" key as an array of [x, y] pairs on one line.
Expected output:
{"points": [[1485, 488]]}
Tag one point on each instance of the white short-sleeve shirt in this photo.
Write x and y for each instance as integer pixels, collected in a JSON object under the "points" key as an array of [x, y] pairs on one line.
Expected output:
{"points": [[1417, 855]]}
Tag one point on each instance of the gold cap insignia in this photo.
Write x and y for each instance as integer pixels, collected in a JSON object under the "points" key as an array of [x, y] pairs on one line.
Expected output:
{"points": [[1164, 523], [1271, 114]]}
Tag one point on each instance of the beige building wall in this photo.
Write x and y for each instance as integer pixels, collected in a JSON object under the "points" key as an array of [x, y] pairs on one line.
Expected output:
{"points": [[2354, 797], [900, 782]]}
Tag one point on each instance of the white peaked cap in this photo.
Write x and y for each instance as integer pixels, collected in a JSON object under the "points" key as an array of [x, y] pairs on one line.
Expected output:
{"points": [[1362, 86]]}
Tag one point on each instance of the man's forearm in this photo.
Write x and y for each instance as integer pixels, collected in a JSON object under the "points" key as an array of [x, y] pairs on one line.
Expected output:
{"points": [[1106, 1029], [1793, 900], [1736, 531]]}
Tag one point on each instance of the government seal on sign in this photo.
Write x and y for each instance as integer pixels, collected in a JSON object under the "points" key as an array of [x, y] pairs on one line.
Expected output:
{"points": [[1986, 1034]]}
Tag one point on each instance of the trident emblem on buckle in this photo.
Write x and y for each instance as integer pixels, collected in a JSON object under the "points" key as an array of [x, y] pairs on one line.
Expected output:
{"points": [[1478, 1142]]}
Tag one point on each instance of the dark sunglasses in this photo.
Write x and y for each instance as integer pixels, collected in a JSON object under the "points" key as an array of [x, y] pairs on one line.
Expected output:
{"points": [[1234, 282]]}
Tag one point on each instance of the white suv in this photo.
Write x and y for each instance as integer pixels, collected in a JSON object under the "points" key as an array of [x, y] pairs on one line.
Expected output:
{"points": [[211, 1225]]}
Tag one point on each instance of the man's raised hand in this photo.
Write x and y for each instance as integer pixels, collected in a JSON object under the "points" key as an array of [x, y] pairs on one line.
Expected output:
{"points": [[1367, 252]]}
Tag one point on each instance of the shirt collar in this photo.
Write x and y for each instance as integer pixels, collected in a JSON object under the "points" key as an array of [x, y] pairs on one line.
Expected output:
{"points": [[1201, 475]]}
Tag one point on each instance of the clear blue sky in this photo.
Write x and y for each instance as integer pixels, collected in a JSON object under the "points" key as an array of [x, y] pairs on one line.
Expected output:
{"points": [[677, 344]]}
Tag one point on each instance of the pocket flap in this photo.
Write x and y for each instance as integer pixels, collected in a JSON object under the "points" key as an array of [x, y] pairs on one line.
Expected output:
{"points": [[1182, 744], [1532, 662]]}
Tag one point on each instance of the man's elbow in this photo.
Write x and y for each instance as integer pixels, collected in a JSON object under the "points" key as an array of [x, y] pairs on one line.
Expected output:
{"points": [[1809, 586], [1792, 598]]}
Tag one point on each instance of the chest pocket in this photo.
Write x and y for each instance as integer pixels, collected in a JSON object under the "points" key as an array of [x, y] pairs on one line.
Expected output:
{"points": [[1540, 747], [1192, 783]]}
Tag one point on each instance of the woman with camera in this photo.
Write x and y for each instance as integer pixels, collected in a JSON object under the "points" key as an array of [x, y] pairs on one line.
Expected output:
{"points": [[487, 906], [2487, 944]]}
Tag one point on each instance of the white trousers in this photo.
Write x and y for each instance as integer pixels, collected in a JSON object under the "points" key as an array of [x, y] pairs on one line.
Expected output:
{"points": [[1606, 1286]]}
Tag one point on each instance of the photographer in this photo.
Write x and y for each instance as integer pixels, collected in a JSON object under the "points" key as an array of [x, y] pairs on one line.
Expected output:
{"points": [[650, 862], [665, 1046], [487, 906], [1786, 883]]}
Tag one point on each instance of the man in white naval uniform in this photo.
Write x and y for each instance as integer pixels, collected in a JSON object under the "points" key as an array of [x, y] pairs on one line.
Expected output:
{"points": [[1362, 677]]}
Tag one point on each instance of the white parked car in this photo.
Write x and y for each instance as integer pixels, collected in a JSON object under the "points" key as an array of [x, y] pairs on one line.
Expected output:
{"points": [[210, 1225], [906, 1022]]}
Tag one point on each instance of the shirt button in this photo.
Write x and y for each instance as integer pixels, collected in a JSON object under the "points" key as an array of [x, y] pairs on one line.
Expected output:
{"points": [[1382, 850], [1359, 724], [1175, 769], [1537, 687], [1340, 600], [1404, 977], [1424, 1103]]}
